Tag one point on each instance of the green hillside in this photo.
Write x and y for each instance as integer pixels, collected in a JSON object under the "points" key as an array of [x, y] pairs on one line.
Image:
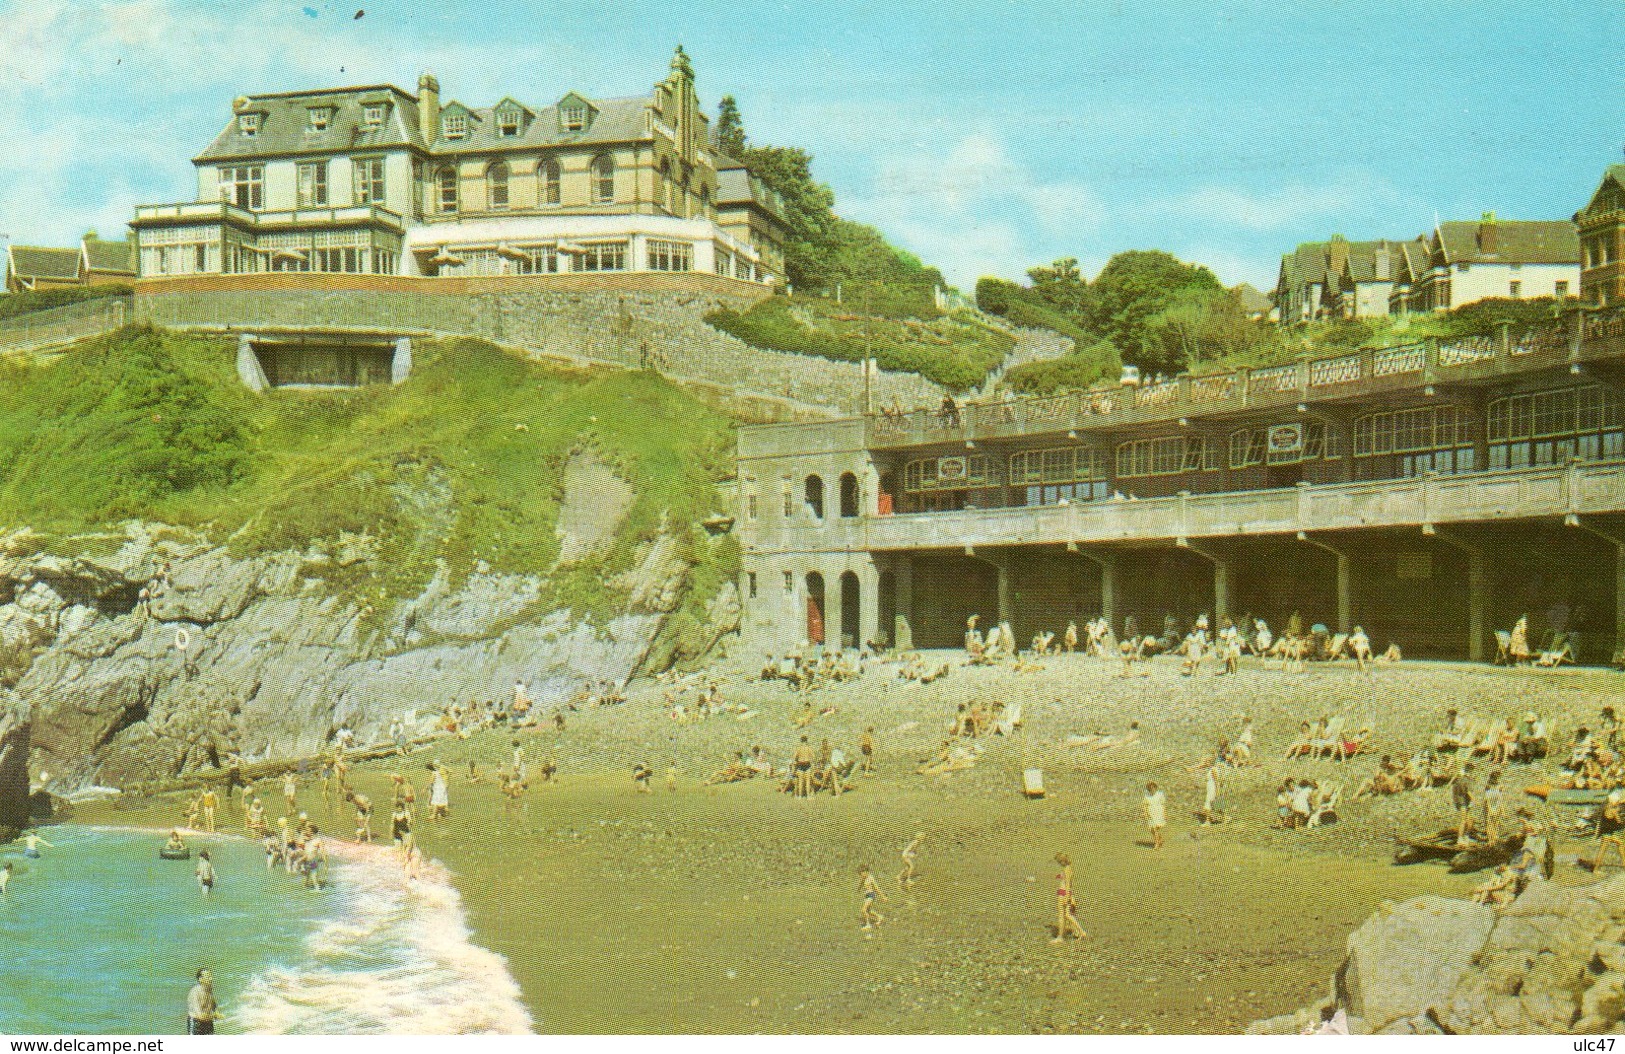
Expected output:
{"points": [[463, 462]]}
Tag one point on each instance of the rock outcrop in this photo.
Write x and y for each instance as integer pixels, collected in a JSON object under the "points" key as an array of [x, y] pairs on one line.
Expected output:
{"points": [[1553, 961], [13, 773], [264, 656]]}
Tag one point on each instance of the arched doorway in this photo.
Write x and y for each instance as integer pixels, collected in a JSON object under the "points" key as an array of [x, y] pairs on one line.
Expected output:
{"points": [[851, 611], [815, 608], [849, 495], [813, 495]]}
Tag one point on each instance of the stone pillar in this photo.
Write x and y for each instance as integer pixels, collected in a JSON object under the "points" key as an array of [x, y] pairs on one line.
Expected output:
{"points": [[1221, 590], [1108, 591], [400, 367], [1005, 613], [248, 364], [903, 621]]}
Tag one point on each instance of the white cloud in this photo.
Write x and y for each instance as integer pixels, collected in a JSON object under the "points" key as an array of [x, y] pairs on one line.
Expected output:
{"points": [[1292, 206], [974, 209]]}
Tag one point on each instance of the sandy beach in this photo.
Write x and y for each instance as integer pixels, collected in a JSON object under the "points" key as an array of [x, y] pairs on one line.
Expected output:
{"points": [[734, 908]]}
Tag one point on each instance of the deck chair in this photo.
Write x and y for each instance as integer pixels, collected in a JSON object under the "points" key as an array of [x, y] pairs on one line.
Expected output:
{"points": [[1336, 646], [1503, 647], [1326, 812], [1562, 650], [1334, 737], [1032, 782]]}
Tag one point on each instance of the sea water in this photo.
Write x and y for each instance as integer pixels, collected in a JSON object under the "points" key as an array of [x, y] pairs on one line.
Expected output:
{"points": [[100, 936]]}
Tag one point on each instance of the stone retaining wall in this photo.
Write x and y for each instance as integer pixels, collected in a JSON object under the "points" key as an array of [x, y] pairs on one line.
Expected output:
{"points": [[662, 326]]}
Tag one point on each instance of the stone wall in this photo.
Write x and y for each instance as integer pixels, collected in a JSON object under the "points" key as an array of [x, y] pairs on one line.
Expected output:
{"points": [[662, 326], [14, 741]]}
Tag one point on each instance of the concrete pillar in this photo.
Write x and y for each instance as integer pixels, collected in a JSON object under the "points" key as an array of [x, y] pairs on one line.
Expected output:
{"points": [[1345, 589], [248, 364], [869, 609], [1619, 597], [400, 365], [1005, 606], [1478, 601], [903, 622], [1221, 589], [1108, 591]]}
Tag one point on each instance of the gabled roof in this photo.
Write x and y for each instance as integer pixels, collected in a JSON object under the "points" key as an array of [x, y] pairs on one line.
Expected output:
{"points": [[1251, 300], [1609, 195], [117, 257], [29, 262], [508, 103], [614, 121], [1304, 265], [1362, 262], [1515, 241], [285, 124]]}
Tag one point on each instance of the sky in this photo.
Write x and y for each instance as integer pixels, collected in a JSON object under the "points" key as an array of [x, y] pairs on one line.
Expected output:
{"points": [[986, 137]]}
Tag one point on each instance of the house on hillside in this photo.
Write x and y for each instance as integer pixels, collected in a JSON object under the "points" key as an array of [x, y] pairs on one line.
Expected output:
{"points": [[1515, 259], [95, 262], [1335, 279], [1601, 228], [1300, 289], [377, 180]]}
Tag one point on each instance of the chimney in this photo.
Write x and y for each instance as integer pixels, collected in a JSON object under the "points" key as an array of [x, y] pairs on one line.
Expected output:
{"points": [[1382, 265], [1488, 242], [428, 108], [1337, 254]]}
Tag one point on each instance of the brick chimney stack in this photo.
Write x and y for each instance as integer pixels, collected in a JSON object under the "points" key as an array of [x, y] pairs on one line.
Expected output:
{"points": [[428, 108], [1382, 265], [1488, 237]]}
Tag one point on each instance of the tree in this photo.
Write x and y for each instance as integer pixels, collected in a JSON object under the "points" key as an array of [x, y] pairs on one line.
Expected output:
{"points": [[730, 128], [1061, 286], [1133, 287]]}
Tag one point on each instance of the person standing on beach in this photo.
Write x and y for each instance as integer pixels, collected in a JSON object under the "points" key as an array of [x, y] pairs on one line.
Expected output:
{"points": [[290, 791], [870, 891], [210, 802], [866, 747], [1494, 807], [905, 880], [439, 795], [205, 873], [1156, 812], [1066, 905], [1461, 796], [201, 1008], [400, 826]]}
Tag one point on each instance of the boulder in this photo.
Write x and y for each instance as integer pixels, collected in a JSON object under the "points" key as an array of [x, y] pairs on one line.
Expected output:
{"points": [[1408, 959]]}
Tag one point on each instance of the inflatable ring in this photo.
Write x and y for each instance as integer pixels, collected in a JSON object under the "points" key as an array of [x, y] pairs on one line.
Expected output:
{"points": [[183, 639]]}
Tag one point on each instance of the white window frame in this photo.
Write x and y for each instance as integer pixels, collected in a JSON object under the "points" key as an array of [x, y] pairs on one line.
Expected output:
{"points": [[601, 181], [573, 117], [455, 126], [373, 115], [248, 124], [312, 189], [368, 179], [509, 123], [447, 199], [319, 118]]}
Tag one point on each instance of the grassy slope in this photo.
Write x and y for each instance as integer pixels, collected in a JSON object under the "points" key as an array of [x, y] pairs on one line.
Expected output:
{"points": [[14, 304], [905, 334], [462, 462]]}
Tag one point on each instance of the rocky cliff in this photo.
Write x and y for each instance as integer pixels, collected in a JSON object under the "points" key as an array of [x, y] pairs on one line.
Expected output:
{"points": [[270, 655], [14, 738]]}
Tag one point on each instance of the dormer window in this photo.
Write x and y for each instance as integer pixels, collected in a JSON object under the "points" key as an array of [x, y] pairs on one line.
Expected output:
{"points": [[455, 126], [320, 118], [249, 124], [574, 117], [508, 123], [373, 115]]}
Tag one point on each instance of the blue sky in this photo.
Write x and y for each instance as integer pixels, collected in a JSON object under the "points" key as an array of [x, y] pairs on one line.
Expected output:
{"points": [[986, 137]]}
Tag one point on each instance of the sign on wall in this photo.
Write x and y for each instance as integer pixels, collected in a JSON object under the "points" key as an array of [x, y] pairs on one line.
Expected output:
{"points": [[951, 468], [1286, 439]]}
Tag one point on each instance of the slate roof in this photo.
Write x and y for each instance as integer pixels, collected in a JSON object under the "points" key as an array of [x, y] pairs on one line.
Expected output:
{"points": [[285, 124], [109, 256], [1517, 241], [1251, 299], [29, 262], [1362, 265], [613, 121], [739, 187]]}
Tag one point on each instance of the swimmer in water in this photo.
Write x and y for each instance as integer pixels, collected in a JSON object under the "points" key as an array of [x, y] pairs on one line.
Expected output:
{"points": [[31, 844], [205, 873]]}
